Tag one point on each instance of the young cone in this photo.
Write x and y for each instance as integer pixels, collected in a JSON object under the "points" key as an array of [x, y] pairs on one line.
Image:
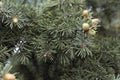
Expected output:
{"points": [[8, 76], [15, 20], [95, 21], [85, 26], [91, 32], [85, 13]]}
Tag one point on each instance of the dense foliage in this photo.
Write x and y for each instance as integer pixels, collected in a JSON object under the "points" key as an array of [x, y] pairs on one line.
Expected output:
{"points": [[45, 40]]}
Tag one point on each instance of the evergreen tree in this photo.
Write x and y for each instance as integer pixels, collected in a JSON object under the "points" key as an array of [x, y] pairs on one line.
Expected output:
{"points": [[55, 40]]}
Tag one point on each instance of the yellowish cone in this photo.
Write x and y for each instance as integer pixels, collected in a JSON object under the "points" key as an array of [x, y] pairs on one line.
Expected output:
{"points": [[15, 19], [91, 32], [85, 13], [85, 26], [8, 76], [95, 21]]}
